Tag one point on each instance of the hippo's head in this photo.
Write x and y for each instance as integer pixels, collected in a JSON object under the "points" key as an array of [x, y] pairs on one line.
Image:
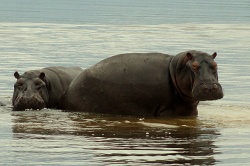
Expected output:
{"points": [[205, 76], [30, 91], [197, 77]]}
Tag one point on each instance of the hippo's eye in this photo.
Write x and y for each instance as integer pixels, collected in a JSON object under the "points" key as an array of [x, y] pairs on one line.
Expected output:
{"points": [[195, 66], [19, 85], [38, 85], [214, 67]]}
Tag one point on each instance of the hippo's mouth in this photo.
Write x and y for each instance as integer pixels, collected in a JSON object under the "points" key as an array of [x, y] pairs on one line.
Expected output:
{"points": [[22, 103], [204, 92]]}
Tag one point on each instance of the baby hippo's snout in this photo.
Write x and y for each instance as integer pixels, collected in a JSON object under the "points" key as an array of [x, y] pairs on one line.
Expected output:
{"points": [[31, 102]]}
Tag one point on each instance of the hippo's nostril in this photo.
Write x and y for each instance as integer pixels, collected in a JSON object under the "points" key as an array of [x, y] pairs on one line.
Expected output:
{"points": [[204, 86], [215, 86]]}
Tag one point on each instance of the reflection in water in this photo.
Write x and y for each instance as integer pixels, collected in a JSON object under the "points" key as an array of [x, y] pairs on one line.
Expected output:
{"points": [[114, 139]]}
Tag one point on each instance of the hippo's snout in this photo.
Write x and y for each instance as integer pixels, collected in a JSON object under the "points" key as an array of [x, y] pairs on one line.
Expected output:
{"points": [[210, 87], [32, 102], [207, 91]]}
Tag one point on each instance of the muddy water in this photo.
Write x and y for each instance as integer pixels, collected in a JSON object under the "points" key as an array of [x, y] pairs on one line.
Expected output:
{"points": [[220, 135], [41, 34]]}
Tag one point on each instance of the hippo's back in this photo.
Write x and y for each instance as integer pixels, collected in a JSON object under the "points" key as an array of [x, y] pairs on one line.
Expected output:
{"points": [[133, 68], [121, 82], [62, 72]]}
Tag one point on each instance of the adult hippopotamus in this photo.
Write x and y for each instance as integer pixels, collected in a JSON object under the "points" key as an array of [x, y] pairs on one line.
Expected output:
{"points": [[146, 84], [37, 89]]}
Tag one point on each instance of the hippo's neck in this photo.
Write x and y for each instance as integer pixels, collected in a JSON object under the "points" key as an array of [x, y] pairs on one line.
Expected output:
{"points": [[181, 78]]}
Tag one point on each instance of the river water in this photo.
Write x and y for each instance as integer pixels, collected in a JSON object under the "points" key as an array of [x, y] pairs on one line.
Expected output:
{"points": [[36, 34]]}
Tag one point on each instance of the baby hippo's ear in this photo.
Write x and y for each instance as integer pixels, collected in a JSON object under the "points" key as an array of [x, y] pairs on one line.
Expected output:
{"points": [[42, 76], [16, 75], [214, 55]]}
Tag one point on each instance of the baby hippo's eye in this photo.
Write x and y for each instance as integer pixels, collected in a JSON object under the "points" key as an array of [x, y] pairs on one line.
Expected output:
{"points": [[19, 85], [39, 85]]}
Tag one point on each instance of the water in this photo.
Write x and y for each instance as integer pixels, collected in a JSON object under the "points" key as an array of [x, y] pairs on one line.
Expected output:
{"points": [[36, 34]]}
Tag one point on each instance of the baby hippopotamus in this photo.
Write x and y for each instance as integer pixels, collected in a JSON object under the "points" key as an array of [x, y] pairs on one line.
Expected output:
{"points": [[146, 84], [43, 88]]}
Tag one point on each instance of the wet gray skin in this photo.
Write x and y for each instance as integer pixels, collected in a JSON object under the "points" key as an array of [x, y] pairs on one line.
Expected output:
{"points": [[37, 89], [30, 92]]}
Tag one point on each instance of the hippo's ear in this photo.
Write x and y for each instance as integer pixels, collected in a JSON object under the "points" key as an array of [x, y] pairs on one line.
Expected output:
{"points": [[16, 75], [186, 58], [214, 55], [42, 76], [189, 56]]}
